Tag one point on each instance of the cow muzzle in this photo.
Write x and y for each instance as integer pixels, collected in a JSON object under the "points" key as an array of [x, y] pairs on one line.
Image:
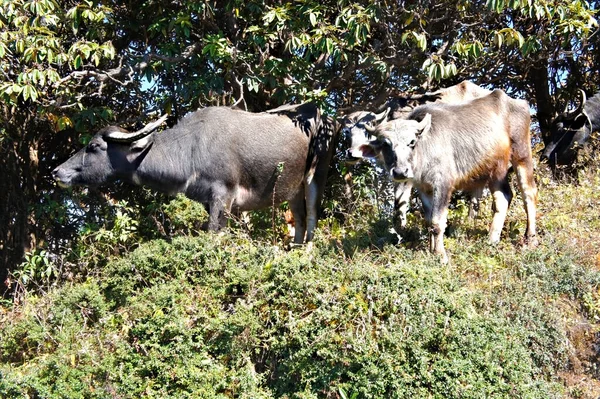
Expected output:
{"points": [[61, 178], [352, 156], [401, 174]]}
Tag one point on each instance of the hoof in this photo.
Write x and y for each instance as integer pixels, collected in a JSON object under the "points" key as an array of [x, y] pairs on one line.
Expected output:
{"points": [[530, 242], [444, 259], [310, 246]]}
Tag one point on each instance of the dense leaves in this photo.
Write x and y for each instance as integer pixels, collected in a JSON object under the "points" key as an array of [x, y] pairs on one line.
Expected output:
{"points": [[225, 316]]}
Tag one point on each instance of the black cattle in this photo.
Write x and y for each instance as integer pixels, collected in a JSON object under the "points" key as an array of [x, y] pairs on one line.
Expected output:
{"points": [[570, 131], [224, 158], [445, 147]]}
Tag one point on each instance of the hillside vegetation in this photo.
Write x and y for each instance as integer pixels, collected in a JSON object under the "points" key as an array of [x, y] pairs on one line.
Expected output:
{"points": [[233, 315]]}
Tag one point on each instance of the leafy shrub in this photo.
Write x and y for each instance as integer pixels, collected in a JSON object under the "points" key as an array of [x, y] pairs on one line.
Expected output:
{"points": [[227, 315], [219, 316]]}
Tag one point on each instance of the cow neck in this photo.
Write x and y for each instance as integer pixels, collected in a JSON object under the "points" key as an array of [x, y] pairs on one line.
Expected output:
{"points": [[592, 109], [163, 164]]}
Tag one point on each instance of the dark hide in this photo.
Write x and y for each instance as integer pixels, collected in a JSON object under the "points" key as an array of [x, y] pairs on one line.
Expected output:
{"points": [[569, 132], [224, 158], [441, 148]]}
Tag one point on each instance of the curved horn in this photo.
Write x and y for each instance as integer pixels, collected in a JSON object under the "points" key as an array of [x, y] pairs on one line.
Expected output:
{"points": [[370, 129], [121, 137], [572, 114], [381, 116]]}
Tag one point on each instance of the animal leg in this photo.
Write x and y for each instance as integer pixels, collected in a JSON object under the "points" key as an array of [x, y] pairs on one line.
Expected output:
{"points": [[298, 208], [502, 196], [216, 215], [528, 189], [475, 196], [402, 193], [314, 193], [427, 202], [439, 221], [218, 207]]}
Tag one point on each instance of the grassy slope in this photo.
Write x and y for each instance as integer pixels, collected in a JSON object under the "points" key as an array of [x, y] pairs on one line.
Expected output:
{"points": [[221, 316]]}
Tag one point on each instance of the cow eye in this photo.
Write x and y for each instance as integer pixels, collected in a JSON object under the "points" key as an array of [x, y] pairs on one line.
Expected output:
{"points": [[412, 143], [92, 147]]}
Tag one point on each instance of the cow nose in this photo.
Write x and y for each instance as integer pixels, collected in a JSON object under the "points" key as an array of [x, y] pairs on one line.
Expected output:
{"points": [[350, 158], [55, 173], [400, 173]]}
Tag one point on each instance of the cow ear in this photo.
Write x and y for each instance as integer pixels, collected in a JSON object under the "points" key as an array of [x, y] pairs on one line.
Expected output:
{"points": [[143, 143], [369, 150], [424, 125], [580, 120]]}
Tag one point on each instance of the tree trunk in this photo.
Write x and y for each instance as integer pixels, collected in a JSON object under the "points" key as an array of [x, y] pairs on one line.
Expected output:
{"points": [[545, 108], [18, 190]]}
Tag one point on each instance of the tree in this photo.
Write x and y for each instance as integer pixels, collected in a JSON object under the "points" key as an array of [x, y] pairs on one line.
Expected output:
{"points": [[69, 67]]}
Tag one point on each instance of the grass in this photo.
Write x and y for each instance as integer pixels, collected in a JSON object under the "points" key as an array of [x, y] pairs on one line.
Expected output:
{"points": [[234, 316]]}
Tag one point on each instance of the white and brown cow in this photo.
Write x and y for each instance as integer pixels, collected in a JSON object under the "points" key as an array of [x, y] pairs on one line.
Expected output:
{"points": [[440, 148], [359, 127]]}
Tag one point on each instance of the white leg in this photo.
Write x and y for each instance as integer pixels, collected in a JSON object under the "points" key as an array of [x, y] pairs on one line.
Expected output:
{"points": [[502, 195], [402, 192], [529, 193], [439, 221], [298, 208]]}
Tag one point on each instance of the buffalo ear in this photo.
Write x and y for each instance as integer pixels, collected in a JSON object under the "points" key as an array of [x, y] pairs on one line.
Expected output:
{"points": [[142, 144], [139, 147], [580, 120], [424, 126], [370, 150]]}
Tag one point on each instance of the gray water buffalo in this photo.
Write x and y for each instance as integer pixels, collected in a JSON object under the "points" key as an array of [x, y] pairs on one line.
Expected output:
{"points": [[445, 147], [360, 125], [570, 131], [224, 158]]}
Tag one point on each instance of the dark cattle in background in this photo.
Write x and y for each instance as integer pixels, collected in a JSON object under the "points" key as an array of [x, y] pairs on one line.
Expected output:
{"points": [[224, 158], [570, 131], [359, 125], [445, 147]]}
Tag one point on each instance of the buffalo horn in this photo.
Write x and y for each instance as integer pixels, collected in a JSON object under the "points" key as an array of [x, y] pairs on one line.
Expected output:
{"points": [[378, 119], [131, 137], [573, 114], [370, 129], [381, 116]]}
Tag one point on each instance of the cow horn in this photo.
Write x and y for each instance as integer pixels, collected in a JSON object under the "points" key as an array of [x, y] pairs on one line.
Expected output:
{"points": [[572, 114], [121, 137], [381, 116], [370, 129]]}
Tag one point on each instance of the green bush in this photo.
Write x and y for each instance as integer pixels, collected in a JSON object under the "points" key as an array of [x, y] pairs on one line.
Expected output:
{"points": [[231, 315], [217, 316]]}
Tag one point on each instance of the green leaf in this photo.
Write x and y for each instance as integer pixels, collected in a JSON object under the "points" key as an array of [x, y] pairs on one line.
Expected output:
{"points": [[421, 40], [77, 62], [26, 92], [450, 70], [404, 36], [498, 39]]}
